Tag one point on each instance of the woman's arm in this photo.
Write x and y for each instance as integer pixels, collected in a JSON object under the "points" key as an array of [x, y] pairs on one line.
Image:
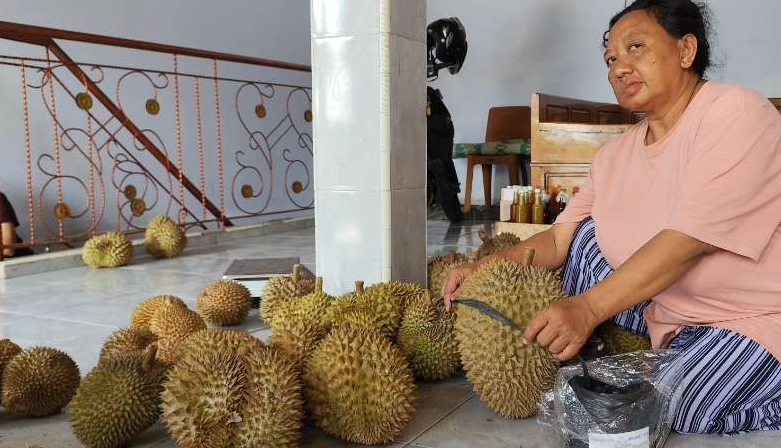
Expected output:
{"points": [[564, 326], [550, 250], [8, 238]]}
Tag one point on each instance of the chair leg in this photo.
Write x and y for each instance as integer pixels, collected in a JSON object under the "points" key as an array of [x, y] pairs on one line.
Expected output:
{"points": [[487, 169], [470, 164], [512, 169]]}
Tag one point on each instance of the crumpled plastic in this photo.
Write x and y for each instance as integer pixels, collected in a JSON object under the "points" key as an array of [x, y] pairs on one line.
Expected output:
{"points": [[618, 395]]}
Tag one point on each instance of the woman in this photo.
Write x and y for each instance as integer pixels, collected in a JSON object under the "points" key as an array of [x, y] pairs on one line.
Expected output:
{"points": [[683, 209]]}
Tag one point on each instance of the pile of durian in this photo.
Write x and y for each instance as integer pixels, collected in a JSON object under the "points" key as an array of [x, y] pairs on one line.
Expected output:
{"points": [[163, 238], [348, 363]]}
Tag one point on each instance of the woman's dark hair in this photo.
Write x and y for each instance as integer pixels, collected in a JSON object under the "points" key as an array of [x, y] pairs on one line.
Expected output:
{"points": [[678, 18]]}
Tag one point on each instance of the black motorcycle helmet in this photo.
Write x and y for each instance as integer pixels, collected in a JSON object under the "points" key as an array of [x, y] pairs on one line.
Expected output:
{"points": [[446, 45]]}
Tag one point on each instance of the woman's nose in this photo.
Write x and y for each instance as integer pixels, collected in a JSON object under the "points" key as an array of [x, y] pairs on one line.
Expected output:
{"points": [[619, 68]]}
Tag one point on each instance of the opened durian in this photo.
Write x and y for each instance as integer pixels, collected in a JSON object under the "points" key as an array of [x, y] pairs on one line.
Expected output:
{"points": [[508, 375], [126, 340], [164, 238], [300, 324], [427, 338], [283, 288], [118, 400], [492, 245], [39, 381], [144, 311], [439, 266], [400, 291], [224, 302], [366, 308], [359, 387], [619, 340], [7, 351], [242, 397], [107, 250], [172, 324]]}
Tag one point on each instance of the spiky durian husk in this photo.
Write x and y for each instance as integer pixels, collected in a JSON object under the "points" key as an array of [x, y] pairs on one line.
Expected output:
{"points": [[359, 387], [273, 408], [142, 314], [7, 351], [244, 397], [299, 325], [281, 289], [107, 250], [124, 341], [401, 291], [369, 309], [118, 400], [618, 340], [498, 243], [39, 382], [164, 238], [427, 338], [172, 324], [438, 267], [507, 375], [214, 339], [224, 302]]}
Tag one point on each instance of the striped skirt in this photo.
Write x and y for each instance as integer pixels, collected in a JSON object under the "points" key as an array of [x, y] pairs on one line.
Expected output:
{"points": [[726, 382]]}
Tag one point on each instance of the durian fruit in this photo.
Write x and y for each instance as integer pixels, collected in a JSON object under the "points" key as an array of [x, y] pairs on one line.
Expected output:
{"points": [[439, 266], [172, 324], [108, 250], [7, 351], [619, 340], [428, 340], [142, 314], [492, 245], [224, 302], [246, 396], [39, 381], [214, 339], [369, 309], [164, 238], [126, 340], [300, 324], [359, 387], [401, 291], [283, 288], [118, 400], [508, 375]]}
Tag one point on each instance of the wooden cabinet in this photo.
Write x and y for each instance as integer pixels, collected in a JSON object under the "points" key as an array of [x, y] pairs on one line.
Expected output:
{"points": [[565, 135]]}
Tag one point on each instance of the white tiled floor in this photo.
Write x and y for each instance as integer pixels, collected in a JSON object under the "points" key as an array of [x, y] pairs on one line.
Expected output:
{"points": [[74, 310]]}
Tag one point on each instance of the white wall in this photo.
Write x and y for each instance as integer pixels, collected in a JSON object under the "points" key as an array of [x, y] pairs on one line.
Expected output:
{"points": [[517, 48], [273, 29]]}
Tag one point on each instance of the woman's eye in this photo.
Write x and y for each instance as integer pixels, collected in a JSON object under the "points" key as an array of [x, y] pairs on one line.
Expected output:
{"points": [[635, 47]]}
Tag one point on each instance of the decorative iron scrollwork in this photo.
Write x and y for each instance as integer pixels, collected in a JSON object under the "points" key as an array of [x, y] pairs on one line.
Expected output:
{"points": [[152, 106], [130, 192], [308, 115], [138, 207], [260, 111], [246, 191], [62, 211], [84, 101], [297, 187]]}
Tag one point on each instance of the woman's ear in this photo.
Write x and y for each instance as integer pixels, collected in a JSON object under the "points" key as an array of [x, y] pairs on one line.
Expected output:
{"points": [[687, 48]]}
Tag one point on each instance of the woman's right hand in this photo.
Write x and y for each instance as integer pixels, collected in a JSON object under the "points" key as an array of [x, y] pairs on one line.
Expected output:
{"points": [[453, 281]]}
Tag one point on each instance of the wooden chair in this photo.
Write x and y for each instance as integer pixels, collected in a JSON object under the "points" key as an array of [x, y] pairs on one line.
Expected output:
{"points": [[776, 102], [504, 123]]}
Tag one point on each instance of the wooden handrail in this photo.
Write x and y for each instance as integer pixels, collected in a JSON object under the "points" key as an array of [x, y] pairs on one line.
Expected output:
{"points": [[39, 34]]}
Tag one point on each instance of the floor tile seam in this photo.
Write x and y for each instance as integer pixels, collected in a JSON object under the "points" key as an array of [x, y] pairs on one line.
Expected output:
{"points": [[411, 442], [74, 321]]}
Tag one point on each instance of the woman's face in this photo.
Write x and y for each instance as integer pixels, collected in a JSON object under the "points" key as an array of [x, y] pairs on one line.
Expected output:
{"points": [[646, 66]]}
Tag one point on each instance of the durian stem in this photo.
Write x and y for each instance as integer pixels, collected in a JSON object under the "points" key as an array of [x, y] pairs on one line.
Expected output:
{"points": [[149, 357], [319, 284], [359, 286], [528, 256]]}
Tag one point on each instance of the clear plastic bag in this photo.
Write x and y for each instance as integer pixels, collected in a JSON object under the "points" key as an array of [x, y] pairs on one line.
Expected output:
{"points": [[622, 396]]}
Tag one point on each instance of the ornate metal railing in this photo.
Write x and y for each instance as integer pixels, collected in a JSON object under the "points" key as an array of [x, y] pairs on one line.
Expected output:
{"points": [[206, 149]]}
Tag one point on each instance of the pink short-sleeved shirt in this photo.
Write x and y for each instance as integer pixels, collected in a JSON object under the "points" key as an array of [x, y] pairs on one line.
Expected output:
{"points": [[715, 176]]}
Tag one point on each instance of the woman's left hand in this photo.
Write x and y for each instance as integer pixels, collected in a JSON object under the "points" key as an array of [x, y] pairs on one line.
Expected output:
{"points": [[563, 327]]}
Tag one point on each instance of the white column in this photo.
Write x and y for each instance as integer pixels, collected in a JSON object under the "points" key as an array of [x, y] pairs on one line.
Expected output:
{"points": [[369, 131]]}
